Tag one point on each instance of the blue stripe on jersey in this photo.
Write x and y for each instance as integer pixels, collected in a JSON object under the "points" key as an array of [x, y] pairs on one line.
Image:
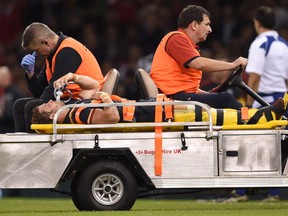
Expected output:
{"points": [[270, 39]]}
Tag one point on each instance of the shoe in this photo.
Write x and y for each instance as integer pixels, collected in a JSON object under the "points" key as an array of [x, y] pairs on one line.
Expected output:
{"points": [[236, 198], [271, 199], [279, 108]]}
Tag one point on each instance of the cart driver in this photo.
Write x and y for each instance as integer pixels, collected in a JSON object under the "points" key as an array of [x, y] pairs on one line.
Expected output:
{"points": [[44, 113]]}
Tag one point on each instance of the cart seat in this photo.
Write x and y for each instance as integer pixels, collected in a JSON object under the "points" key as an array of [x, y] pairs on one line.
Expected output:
{"points": [[111, 81], [146, 85]]}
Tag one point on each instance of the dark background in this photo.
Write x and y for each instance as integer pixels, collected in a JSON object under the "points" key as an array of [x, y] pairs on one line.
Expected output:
{"points": [[122, 33]]}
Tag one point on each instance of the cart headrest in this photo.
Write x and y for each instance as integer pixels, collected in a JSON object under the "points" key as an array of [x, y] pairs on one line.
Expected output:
{"points": [[111, 81], [146, 85]]}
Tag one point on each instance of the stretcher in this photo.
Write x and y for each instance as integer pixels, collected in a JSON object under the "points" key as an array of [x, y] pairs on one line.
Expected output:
{"points": [[109, 166]]}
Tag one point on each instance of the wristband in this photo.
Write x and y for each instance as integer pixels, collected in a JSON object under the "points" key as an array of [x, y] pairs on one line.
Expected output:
{"points": [[103, 95], [75, 78], [105, 98]]}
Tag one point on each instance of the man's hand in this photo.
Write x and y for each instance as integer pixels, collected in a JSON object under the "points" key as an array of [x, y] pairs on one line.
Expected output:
{"points": [[28, 62], [241, 61], [101, 95], [64, 80]]}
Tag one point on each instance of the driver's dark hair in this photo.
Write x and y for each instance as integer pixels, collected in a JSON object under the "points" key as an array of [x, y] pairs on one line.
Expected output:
{"points": [[191, 13], [40, 118], [265, 16]]}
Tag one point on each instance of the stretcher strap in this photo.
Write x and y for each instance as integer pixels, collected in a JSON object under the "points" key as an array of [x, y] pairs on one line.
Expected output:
{"points": [[220, 117], [256, 117], [128, 112], [198, 114], [168, 110], [116, 98], [244, 113], [239, 117], [158, 137], [268, 115]]}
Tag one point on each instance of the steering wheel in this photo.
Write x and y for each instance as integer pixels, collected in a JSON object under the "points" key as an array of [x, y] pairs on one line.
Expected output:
{"points": [[234, 79], [58, 93]]}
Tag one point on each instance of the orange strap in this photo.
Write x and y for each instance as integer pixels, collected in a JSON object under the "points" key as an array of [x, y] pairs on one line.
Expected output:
{"points": [[158, 137], [128, 112], [116, 98], [244, 113], [168, 110]]}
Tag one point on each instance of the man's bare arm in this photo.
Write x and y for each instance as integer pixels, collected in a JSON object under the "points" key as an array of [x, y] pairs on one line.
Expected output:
{"points": [[89, 87], [253, 83], [212, 65]]}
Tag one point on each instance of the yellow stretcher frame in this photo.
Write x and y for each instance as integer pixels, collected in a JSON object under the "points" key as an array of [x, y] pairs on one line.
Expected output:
{"points": [[149, 126], [75, 128]]}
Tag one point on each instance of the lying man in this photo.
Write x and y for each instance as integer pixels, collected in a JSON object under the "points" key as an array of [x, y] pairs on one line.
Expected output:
{"points": [[44, 113]]}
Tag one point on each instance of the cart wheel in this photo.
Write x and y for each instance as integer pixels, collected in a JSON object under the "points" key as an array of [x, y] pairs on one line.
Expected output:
{"points": [[74, 184], [106, 185]]}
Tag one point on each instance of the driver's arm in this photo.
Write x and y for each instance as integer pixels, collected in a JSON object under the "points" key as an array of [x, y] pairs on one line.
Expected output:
{"points": [[253, 83], [180, 48], [212, 65]]}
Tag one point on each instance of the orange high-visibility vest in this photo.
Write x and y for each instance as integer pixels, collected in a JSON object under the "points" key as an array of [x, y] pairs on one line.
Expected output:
{"points": [[88, 67], [169, 75]]}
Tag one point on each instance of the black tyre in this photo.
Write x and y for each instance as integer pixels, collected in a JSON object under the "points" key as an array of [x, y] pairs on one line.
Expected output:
{"points": [[74, 185], [106, 185]]}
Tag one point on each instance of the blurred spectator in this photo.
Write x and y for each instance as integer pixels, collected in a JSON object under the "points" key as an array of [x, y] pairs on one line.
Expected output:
{"points": [[128, 69], [150, 27], [229, 23], [146, 62], [91, 40], [111, 41], [8, 94], [109, 27], [11, 21]]}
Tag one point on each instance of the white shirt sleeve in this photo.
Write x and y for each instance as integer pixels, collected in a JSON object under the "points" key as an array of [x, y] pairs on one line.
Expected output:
{"points": [[256, 58]]}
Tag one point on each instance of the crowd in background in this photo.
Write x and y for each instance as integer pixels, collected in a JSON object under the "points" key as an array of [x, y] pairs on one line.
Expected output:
{"points": [[124, 34]]}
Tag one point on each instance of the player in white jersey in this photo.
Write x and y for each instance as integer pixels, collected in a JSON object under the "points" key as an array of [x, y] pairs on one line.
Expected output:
{"points": [[267, 60]]}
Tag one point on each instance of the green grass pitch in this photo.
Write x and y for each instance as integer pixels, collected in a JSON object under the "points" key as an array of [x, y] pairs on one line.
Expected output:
{"points": [[142, 207]]}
